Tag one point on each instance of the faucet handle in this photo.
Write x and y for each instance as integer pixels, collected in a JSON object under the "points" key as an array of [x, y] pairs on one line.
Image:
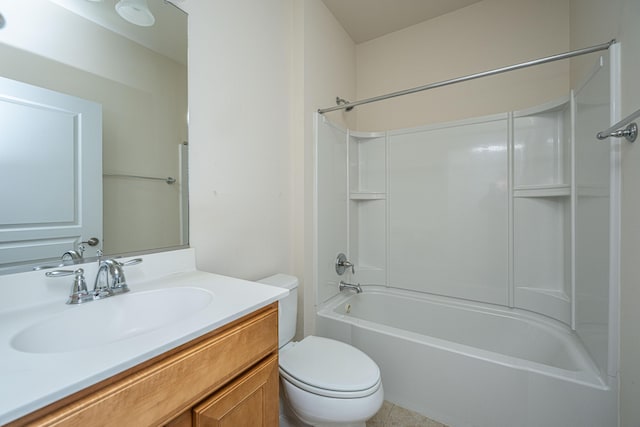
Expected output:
{"points": [[131, 262], [79, 292], [119, 284], [342, 264]]}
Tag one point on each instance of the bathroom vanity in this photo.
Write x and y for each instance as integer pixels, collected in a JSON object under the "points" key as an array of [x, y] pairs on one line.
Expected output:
{"points": [[218, 363], [230, 374]]}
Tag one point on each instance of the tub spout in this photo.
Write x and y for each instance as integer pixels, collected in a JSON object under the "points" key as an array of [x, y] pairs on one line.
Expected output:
{"points": [[344, 285]]}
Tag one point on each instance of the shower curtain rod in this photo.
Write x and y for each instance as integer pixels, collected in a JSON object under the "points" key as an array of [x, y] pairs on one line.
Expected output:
{"points": [[552, 58]]}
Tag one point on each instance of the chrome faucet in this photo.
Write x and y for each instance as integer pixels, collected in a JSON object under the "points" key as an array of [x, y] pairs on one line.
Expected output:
{"points": [[344, 285], [109, 273], [110, 279], [79, 253], [73, 255]]}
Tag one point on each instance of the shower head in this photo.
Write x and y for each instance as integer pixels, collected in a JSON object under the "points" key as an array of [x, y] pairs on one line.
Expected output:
{"points": [[340, 101]]}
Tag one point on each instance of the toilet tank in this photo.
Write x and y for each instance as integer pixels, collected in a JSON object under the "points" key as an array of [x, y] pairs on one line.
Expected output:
{"points": [[287, 306]]}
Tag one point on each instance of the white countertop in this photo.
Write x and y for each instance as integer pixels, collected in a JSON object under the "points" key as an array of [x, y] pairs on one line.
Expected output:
{"points": [[29, 381]]}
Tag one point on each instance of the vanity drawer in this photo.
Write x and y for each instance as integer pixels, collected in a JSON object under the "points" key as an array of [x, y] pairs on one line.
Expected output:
{"points": [[169, 385]]}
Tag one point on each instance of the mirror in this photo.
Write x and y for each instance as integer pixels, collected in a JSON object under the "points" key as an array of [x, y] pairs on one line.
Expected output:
{"points": [[136, 78]]}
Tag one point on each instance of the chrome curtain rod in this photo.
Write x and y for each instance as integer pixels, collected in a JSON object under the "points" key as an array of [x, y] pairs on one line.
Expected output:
{"points": [[552, 58], [630, 132], [168, 180]]}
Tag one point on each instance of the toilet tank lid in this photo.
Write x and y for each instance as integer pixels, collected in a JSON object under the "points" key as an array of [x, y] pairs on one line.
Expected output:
{"points": [[281, 280]]}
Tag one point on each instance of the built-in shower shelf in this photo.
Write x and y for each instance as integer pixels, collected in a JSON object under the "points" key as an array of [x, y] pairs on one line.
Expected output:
{"points": [[553, 190], [368, 196]]}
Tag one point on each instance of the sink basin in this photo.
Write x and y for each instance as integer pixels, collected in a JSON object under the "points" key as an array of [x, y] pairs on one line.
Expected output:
{"points": [[116, 318]]}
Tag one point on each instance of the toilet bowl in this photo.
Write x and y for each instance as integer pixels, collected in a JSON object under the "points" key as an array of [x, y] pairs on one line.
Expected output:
{"points": [[324, 382]]}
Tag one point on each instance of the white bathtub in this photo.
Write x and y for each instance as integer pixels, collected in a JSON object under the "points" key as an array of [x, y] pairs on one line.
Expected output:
{"points": [[470, 364]]}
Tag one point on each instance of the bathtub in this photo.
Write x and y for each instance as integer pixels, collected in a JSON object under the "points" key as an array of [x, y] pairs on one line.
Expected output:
{"points": [[472, 364]]}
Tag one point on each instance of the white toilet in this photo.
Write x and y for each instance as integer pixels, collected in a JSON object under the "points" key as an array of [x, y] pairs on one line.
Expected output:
{"points": [[325, 382]]}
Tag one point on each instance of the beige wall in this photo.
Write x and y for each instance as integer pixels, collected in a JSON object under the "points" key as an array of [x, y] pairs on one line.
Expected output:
{"points": [[480, 37], [255, 81], [240, 131], [594, 21]]}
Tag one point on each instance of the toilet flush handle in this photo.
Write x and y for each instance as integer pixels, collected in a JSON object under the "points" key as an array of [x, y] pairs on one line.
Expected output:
{"points": [[342, 264]]}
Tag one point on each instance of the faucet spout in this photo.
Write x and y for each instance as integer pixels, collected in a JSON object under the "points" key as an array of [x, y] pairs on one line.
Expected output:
{"points": [[72, 255], [110, 279], [102, 284], [344, 285]]}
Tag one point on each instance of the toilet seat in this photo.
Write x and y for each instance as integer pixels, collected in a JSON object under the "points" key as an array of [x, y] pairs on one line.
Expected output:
{"points": [[329, 368]]}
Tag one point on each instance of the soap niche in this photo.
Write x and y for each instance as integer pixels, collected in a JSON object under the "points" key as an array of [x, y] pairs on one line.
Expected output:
{"points": [[542, 209], [368, 206]]}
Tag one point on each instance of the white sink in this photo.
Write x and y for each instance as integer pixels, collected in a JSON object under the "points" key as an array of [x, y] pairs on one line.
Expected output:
{"points": [[115, 318]]}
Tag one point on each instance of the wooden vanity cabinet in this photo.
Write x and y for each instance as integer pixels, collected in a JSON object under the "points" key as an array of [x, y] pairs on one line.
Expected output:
{"points": [[228, 377]]}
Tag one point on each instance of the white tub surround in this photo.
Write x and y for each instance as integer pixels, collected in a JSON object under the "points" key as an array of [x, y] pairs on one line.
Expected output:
{"points": [[519, 209], [40, 375], [472, 364]]}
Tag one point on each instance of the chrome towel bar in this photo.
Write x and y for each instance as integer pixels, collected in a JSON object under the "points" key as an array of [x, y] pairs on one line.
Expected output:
{"points": [[168, 180], [630, 132]]}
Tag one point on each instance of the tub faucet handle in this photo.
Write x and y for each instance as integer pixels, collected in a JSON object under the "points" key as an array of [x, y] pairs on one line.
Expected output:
{"points": [[342, 264]]}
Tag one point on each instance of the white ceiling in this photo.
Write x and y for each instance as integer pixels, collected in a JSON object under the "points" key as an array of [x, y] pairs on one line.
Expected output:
{"points": [[365, 20]]}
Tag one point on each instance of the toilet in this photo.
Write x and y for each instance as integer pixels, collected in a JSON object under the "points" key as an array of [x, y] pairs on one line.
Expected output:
{"points": [[324, 382]]}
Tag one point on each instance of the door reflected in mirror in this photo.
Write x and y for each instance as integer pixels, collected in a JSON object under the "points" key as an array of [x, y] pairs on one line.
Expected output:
{"points": [[135, 77]]}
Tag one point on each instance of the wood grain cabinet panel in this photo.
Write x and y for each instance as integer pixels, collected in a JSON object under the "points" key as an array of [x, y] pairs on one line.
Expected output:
{"points": [[238, 358], [248, 401]]}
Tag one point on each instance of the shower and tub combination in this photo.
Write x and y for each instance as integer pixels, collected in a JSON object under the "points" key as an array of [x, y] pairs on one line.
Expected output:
{"points": [[486, 252]]}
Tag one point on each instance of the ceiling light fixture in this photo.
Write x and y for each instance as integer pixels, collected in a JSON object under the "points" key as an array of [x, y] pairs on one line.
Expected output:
{"points": [[136, 11]]}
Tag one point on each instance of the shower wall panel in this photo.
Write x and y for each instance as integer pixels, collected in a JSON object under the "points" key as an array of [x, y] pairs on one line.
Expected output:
{"points": [[448, 209], [592, 234], [331, 204]]}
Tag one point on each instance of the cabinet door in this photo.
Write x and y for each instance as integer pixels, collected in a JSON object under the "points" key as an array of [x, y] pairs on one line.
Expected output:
{"points": [[251, 400]]}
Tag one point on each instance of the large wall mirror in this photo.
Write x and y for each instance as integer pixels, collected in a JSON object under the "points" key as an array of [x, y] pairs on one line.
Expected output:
{"points": [[93, 129]]}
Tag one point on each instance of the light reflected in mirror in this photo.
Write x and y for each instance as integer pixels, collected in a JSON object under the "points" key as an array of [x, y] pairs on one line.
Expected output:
{"points": [[59, 52]]}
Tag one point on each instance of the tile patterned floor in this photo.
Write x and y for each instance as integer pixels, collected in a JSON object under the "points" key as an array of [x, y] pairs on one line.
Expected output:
{"points": [[391, 415]]}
